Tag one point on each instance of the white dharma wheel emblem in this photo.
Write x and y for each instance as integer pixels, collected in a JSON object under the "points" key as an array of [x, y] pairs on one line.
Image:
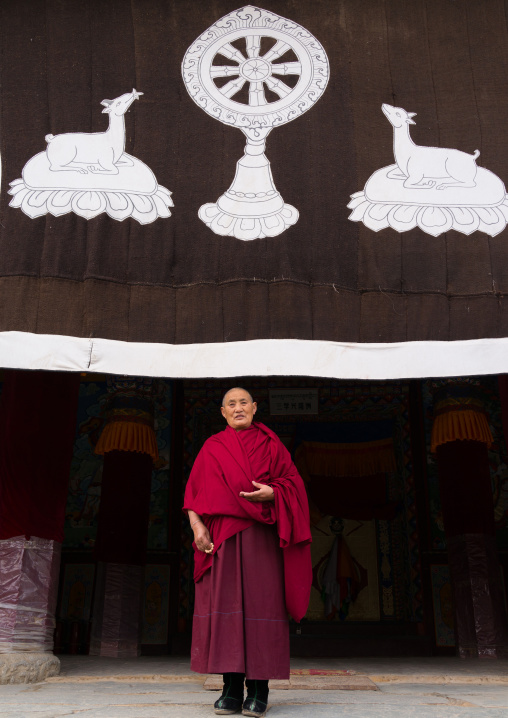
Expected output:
{"points": [[254, 70]]}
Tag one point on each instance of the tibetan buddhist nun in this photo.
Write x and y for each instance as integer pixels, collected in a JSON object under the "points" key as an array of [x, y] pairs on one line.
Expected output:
{"points": [[248, 509]]}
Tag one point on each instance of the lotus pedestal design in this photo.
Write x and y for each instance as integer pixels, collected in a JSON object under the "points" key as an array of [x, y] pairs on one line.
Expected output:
{"points": [[385, 202], [133, 192]]}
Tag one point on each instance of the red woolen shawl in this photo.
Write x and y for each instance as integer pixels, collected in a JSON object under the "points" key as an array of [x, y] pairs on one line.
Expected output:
{"points": [[221, 470]]}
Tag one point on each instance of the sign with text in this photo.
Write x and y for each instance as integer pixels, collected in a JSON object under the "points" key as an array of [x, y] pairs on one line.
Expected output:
{"points": [[293, 401]]}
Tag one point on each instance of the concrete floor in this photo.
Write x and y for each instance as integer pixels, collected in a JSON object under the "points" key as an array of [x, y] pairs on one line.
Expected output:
{"points": [[165, 688]]}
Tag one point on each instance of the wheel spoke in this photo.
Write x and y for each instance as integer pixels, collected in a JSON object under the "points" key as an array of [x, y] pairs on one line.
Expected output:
{"points": [[287, 68], [253, 45], [257, 94], [231, 88], [277, 86], [224, 70], [277, 50], [231, 53]]}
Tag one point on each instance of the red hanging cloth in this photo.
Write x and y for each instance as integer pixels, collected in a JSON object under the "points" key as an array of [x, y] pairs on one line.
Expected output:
{"points": [[37, 429]]}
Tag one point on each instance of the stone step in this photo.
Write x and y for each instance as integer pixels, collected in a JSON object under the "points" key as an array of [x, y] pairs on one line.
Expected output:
{"points": [[309, 683]]}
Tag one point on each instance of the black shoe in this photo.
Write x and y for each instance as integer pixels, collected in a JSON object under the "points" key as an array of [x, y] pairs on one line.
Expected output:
{"points": [[256, 702], [253, 707], [227, 706], [232, 695]]}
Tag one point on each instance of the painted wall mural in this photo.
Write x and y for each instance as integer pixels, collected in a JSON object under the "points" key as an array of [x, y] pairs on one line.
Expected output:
{"points": [[434, 188], [333, 537], [234, 72], [89, 173]]}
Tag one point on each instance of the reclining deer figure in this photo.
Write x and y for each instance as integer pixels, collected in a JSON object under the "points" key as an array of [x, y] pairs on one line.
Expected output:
{"points": [[95, 152], [426, 167]]}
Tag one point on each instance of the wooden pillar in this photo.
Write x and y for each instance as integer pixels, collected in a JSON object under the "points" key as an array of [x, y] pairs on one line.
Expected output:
{"points": [[468, 513], [37, 430], [121, 554], [129, 448]]}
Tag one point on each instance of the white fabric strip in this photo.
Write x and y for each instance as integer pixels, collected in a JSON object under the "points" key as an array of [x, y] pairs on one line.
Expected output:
{"points": [[261, 357]]}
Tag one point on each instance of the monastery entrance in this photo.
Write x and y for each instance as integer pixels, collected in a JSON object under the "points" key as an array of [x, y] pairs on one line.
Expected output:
{"points": [[353, 444], [397, 524]]}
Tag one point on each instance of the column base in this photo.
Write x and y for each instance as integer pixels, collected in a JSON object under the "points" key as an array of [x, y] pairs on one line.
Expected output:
{"points": [[247, 227], [494, 653], [480, 618], [117, 611], [27, 667]]}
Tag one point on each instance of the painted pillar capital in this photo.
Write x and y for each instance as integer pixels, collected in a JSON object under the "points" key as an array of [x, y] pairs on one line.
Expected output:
{"points": [[459, 413]]}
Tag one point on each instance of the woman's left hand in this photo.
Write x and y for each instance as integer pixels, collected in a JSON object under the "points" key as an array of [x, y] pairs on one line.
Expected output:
{"points": [[263, 493]]}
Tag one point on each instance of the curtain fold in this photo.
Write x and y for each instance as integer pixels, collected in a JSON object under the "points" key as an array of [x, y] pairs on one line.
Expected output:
{"points": [[352, 459]]}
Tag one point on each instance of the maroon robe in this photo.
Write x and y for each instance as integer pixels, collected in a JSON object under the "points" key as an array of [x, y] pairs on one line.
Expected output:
{"points": [[226, 465], [240, 622], [261, 561]]}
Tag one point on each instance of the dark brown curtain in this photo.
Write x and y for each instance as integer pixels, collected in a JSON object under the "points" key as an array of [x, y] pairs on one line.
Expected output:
{"points": [[328, 278]]}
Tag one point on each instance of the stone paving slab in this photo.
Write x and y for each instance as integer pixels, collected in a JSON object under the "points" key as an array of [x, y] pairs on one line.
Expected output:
{"points": [[442, 678], [177, 700], [456, 694], [93, 687], [135, 694], [289, 710]]}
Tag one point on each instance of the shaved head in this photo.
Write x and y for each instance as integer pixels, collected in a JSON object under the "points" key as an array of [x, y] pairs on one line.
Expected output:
{"points": [[236, 388], [238, 408]]}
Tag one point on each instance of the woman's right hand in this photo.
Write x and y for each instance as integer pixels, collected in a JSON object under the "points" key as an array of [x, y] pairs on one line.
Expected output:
{"points": [[202, 537]]}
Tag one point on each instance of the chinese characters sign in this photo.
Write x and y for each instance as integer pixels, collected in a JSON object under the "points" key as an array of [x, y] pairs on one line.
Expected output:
{"points": [[294, 401]]}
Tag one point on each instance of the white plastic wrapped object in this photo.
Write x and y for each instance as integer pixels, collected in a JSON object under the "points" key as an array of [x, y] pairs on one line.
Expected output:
{"points": [[28, 592]]}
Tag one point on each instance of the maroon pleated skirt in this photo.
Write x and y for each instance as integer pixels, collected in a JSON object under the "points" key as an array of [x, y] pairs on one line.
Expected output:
{"points": [[240, 619]]}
